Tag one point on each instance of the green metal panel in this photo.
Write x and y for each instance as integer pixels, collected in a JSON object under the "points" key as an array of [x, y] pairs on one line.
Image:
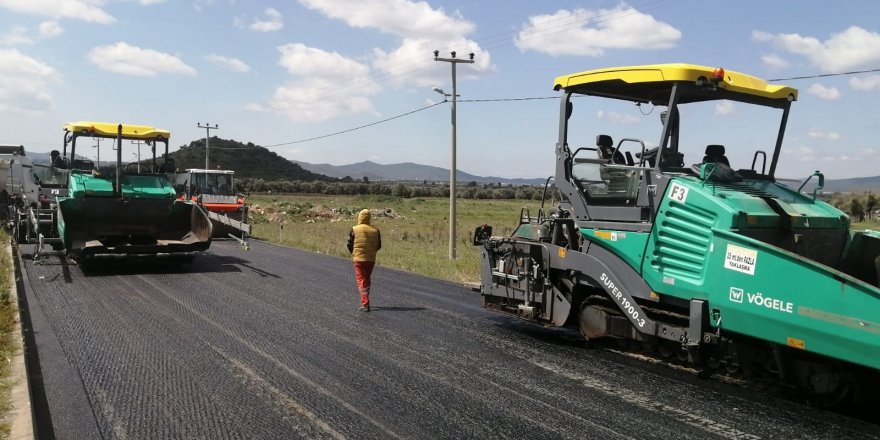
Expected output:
{"points": [[792, 301], [133, 186], [697, 250], [85, 184], [675, 255], [151, 187], [627, 244]]}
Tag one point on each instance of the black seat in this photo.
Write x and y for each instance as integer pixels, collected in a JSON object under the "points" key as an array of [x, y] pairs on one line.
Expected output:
{"points": [[715, 153], [605, 148]]}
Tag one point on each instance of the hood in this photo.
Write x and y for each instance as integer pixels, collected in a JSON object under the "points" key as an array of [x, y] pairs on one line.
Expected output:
{"points": [[364, 217]]}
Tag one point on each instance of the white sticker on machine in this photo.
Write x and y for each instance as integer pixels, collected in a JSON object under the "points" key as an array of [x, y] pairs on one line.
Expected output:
{"points": [[740, 259], [678, 193]]}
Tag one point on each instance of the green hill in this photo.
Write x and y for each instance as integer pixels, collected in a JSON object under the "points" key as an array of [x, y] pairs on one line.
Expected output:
{"points": [[247, 160]]}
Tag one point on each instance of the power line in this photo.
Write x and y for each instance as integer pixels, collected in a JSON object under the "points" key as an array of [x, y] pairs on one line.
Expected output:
{"points": [[349, 130], [825, 75], [531, 98], [358, 127], [535, 98]]}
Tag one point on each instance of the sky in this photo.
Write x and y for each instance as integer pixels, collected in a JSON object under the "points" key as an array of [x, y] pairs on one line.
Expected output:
{"points": [[278, 72]]}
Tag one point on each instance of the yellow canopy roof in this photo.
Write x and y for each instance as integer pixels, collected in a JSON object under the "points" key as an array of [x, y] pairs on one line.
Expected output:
{"points": [[648, 82], [109, 129]]}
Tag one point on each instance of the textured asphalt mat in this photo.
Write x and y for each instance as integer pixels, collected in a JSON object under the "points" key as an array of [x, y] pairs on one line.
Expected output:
{"points": [[269, 344]]}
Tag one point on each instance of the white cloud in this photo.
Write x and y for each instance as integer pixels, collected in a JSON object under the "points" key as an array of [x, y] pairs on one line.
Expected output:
{"points": [[397, 64], [403, 18], [870, 82], [233, 64], [422, 30], [805, 154], [15, 37], [86, 10], [132, 60], [617, 118], [272, 23], [829, 93], [826, 135], [724, 108], [853, 48], [25, 83], [310, 97], [774, 61], [591, 31], [50, 29], [305, 61], [151, 2]]}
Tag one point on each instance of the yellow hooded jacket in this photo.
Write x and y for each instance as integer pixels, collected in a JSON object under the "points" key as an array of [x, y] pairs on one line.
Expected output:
{"points": [[364, 240]]}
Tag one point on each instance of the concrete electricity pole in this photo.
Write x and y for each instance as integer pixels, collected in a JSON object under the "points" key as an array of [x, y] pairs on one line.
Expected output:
{"points": [[208, 129], [138, 143], [453, 61], [98, 146]]}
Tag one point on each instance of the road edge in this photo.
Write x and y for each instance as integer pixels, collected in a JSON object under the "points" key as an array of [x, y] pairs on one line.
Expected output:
{"points": [[21, 417]]}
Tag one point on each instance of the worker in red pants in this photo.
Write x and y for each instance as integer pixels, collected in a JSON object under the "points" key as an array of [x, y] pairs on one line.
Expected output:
{"points": [[363, 243]]}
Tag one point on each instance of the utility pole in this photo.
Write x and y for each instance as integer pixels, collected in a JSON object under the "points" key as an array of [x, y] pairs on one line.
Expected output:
{"points": [[98, 146], [138, 143], [453, 61], [208, 129]]}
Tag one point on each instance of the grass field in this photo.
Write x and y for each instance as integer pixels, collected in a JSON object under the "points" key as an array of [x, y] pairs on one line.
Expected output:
{"points": [[867, 224], [415, 237], [7, 324]]}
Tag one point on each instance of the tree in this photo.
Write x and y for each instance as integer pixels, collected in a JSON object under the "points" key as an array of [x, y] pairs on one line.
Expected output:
{"points": [[400, 190], [870, 204], [366, 180], [856, 209]]}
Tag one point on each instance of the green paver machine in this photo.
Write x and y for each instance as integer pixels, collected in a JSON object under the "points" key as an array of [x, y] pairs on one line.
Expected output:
{"points": [[126, 212], [726, 269]]}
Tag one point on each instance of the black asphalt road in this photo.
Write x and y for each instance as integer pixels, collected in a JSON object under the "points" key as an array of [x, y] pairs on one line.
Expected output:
{"points": [[269, 344]]}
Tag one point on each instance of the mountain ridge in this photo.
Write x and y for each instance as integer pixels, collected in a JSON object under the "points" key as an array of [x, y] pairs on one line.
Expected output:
{"points": [[407, 171]]}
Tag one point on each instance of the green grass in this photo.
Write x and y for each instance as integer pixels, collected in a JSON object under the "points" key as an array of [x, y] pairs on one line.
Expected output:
{"points": [[8, 315], [867, 224], [416, 241]]}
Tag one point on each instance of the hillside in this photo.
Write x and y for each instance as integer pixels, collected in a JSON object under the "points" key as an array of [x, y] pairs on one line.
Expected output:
{"points": [[247, 160], [855, 184], [407, 171]]}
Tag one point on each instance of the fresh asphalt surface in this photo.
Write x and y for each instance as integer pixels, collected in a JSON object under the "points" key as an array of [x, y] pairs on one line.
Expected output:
{"points": [[269, 344]]}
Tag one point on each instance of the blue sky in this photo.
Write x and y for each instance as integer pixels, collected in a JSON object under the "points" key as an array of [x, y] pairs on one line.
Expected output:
{"points": [[273, 72]]}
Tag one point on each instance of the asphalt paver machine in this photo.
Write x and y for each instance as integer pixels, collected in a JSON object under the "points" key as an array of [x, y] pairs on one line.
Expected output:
{"points": [[127, 211], [694, 260]]}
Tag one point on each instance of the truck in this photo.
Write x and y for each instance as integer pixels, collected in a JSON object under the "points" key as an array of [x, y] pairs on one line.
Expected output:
{"points": [[697, 261], [125, 211]]}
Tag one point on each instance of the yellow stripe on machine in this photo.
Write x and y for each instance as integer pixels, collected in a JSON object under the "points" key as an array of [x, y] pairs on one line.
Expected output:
{"points": [[618, 82], [109, 129]]}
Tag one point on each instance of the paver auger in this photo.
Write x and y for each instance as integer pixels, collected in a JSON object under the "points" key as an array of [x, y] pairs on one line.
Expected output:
{"points": [[126, 212], [724, 269]]}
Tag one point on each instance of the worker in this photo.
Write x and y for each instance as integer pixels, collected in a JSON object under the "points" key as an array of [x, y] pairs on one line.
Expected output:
{"points": [[56, 160], [363, 243]]}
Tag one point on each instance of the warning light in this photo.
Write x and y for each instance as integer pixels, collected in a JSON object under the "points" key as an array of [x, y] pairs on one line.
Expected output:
{"points": [[717, 75]]}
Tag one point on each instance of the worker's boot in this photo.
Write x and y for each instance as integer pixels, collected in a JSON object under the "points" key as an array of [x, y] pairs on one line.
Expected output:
{"points": [[365, 301]]}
